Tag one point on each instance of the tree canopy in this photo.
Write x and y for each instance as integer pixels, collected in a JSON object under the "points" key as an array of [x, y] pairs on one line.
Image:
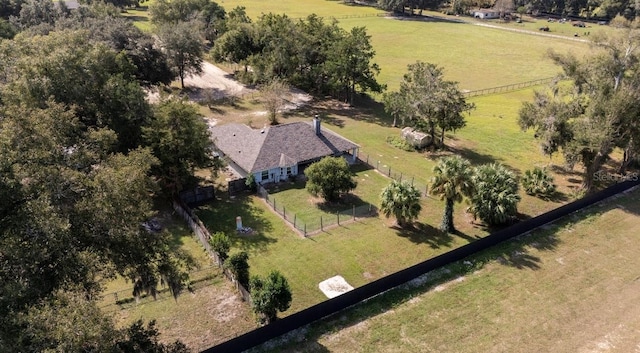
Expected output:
{"points": [[310, 54], [451, 181], [270, 295], [598, 113], [427, 101], [494, 198], [402, 200], [330, 177]]}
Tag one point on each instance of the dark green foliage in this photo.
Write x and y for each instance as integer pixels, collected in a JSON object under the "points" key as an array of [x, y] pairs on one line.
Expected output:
{"points": [[179, 138], [7, 30], [329, 178], [183, 47], [402, 200], [151, 66], [270, 295], [220, 243], [599, 112], [538, 182], [451, 181], [494, 198], [239, 266], [310, 54]]}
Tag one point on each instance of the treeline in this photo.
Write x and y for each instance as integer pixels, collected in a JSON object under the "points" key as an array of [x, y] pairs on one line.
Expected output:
{"points": [[84, 158], [316, 56], [311, 54], [601, 9]]}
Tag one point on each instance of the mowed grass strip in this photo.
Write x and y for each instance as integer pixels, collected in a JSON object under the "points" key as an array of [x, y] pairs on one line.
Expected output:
{"points": [[570, 287]]}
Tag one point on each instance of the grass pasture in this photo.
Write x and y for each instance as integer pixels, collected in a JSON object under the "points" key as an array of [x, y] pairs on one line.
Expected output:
{"points": [[474, 56], [571, 287]]}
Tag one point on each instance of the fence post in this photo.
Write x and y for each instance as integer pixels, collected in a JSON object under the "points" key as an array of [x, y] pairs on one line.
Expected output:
{"points": [[321, 224], [411, 181], [274, 205], [354, 212], [400, 176], [338, 215], [378, 165], [367, 159], [369, 208], [295, 217], [389, 172], [284, 212], [305, 230]]}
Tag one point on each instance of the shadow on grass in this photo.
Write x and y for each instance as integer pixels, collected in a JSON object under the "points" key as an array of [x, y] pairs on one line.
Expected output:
{"points": [[421, 233], [136, 18], [220, 216], [342, 204]]}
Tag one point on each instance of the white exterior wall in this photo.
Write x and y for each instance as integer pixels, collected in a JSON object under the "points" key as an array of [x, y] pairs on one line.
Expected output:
{"points": [[275, 174]]}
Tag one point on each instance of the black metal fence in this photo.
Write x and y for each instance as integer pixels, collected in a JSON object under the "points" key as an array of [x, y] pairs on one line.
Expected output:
{"points": [[332, 306], [309, 227]]}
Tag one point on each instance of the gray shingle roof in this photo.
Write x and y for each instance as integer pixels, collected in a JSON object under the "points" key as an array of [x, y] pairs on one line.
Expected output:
{"points": [[278, 146]]}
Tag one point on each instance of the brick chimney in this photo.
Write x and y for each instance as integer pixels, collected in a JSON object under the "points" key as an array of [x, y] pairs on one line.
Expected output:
{"points": [[316, 125]]}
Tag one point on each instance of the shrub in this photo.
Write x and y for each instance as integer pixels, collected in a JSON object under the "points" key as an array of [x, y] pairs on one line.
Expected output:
{"points": [[494, 198], [270, 295], [400, 143], [538, 182], [220, 243], [239, 266], [330, 177]]}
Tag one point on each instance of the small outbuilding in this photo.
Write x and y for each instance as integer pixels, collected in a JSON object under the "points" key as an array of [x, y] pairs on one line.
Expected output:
{"points": [[415, 138], [485, 14]]}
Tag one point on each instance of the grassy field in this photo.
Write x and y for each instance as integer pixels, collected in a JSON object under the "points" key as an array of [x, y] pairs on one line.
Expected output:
{"points": [[476, 57], [571, 287]]}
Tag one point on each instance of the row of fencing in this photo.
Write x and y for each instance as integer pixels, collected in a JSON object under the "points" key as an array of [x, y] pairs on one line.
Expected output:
{"points": [[357, 295], [308, 227], [508, 88], [124, 299], [387, 171], [203, 235]]}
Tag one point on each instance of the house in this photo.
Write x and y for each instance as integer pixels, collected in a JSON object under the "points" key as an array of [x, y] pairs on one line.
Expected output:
{"points": [[485, 14], [276, 152]]}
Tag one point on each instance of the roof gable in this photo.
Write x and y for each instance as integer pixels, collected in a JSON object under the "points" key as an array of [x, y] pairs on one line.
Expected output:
{"points": [[278, 146]]}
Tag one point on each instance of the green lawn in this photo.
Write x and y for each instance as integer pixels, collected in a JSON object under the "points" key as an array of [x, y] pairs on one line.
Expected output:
{"points": [[308, 209], [359, 251], [570, 287]]}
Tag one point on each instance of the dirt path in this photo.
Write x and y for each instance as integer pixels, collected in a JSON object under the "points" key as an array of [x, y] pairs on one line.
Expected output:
{"points": [[214, 83]]}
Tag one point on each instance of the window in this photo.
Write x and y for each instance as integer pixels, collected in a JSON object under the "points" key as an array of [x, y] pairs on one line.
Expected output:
{"points": [[265, 175], [288, 170]]}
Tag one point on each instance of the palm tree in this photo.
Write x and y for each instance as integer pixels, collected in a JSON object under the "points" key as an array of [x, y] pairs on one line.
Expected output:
{"points": [[402, 200], [495, 196], [451, 181]]}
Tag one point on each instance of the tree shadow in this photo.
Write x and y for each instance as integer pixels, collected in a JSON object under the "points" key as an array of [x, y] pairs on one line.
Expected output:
{"points": [[342, 203], [220, 216], [421, 233], [473, 156]]}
